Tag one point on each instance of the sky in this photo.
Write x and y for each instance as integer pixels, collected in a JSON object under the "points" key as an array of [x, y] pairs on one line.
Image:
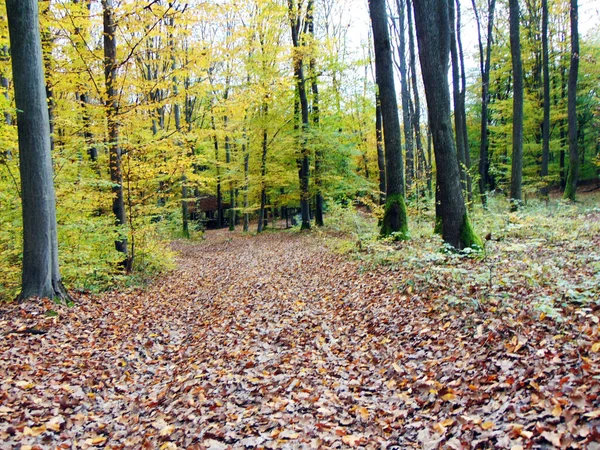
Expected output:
{"points": [[358, 17]]}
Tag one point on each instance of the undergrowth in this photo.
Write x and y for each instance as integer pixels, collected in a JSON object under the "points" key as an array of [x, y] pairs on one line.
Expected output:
{"points": [[545, 256]]}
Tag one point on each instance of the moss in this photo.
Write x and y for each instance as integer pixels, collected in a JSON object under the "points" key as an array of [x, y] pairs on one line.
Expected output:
{"points": [[468, 237], [570, 190], [395, 219], [438, 226]]}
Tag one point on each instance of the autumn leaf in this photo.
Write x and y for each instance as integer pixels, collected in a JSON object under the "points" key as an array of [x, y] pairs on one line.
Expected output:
{"points": [[352, 440]]}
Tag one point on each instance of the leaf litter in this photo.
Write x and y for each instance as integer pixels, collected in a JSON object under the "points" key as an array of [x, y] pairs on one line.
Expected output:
{"points": [[276, 342]]}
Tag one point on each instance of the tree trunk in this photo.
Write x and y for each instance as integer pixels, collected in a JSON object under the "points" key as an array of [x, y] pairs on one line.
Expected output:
{"points": [[263, 172], [185, 214], [460, 145], [546, 81], [246, 152], [416, 110], [47, 44], [315, 120], [303, 160], [395, 217], [112, 110], [571, 185], [433, 35], [485, 65], [4, 82], [380, 153], [516, 179], [220, 218], [406, 118], [462, 100], [41, 274]]}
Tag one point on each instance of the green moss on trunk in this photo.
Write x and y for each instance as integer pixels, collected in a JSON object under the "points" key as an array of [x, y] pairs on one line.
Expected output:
{"points": [[395, 220], [570, 190], [468, 237], [438, 226]]}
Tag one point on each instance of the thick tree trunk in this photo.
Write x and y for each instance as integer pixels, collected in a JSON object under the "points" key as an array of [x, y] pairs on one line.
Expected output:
{"points": [[571, 185], [516, 179], [112, 110], [380, 153], [41, 274], [485, 180], [406, 118], [546, 81], [395, 217], [433, 35]]}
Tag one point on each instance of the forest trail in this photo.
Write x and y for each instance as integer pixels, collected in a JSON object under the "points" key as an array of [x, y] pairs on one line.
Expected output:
{"points": [[273, 341]]}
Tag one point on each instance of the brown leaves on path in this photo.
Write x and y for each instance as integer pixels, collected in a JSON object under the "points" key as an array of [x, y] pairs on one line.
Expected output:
{"points": [[274, 342]]}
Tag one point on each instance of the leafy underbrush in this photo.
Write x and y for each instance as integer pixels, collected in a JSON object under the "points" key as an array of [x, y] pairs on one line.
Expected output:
{"points": [[544, 257]]}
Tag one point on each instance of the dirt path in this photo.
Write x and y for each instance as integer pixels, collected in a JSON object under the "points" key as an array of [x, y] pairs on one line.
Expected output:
{"points": [[274, 342]]}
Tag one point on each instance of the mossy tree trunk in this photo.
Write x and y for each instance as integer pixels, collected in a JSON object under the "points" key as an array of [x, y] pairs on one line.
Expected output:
{"points": [[395, 218], [432, 22]]}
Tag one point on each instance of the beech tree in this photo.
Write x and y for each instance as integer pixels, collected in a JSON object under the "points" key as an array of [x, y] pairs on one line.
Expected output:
{"points": [[395, 218], [432, 23], [516, 180], [41, 273], [571, 186]]}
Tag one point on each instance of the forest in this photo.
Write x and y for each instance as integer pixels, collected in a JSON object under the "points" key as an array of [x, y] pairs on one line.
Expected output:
{"points": [[299, 224]]}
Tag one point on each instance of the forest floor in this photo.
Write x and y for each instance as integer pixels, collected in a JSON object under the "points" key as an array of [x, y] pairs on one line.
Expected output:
{"points": [[280, 341]]}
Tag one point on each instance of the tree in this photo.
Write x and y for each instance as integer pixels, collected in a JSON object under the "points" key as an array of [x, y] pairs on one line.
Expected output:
{"points": [[485, 179], [571, 187], [298, 32], [395, 217], [40, 273], [432, 24], [516, 180], [406, 116], [546, 73], [112, 110], [456, 81]]}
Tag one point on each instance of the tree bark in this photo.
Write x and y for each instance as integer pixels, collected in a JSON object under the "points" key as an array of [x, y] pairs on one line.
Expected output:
{"points": [[40, 272], [303, 160], [380, 153], [220, 217], [546, 100], [423, 164], [485, 65], [406, 117], [112, 111], [462, 106], [432, 22], [395, 217], [315, 120], [263, 171], [458, 125], [516, 179], [571, 185]]}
